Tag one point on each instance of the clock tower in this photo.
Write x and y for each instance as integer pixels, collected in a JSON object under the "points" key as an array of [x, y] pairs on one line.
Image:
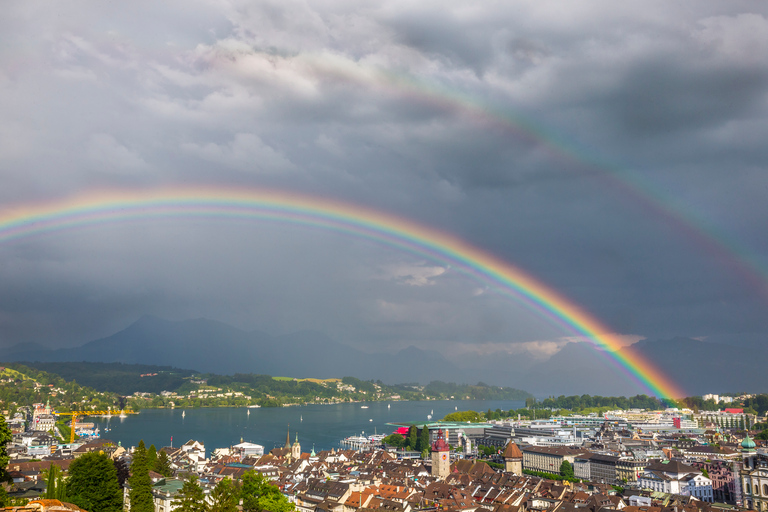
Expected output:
{"points": [[441, 457]]}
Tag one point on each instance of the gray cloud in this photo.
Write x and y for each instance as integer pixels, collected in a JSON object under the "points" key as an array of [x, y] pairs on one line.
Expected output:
{"points": [[583, 143]]}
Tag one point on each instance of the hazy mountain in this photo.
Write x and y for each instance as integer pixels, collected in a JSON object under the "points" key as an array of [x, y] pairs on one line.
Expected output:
{"points": [[578, 368], [697, 366], [495, 368], [212, 346]]}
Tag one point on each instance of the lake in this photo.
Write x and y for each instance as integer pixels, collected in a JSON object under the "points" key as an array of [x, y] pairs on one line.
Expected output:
{"points": [[320, 425]]}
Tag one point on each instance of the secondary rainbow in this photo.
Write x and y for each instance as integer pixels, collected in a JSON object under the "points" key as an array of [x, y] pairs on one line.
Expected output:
{"points": [[27, 220]]}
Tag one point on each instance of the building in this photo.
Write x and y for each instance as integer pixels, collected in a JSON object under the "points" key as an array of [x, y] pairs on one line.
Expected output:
{"points": [[602, 468], [548, 459], [723, 477], [296, 448], [581, 466], [754, 477], [627, 470], [513, 459], [441, 459], [674, 477]]}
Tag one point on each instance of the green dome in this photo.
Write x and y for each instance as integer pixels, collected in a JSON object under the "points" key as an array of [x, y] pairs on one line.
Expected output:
{"points": [[748, 443]]}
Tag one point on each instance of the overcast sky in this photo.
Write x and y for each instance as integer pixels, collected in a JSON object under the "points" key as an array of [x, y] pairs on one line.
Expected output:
{"points": [[615, 150]]}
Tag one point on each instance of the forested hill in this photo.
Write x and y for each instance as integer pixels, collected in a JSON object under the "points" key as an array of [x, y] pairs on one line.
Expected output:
{"points": [[124, 379], [191, 388]]}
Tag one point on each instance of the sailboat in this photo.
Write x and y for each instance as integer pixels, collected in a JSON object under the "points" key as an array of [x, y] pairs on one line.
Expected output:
{"points": [[389, 405], [249, 412], [183, 413], [301, 418]]}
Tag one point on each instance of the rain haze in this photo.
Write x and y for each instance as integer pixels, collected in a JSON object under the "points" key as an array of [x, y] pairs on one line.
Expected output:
{"points": [[615, 152]]}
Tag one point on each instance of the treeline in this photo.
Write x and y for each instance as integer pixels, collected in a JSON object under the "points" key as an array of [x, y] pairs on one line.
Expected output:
{"points": [[577, 403], [480, 391], [417, 440], [187, 388]]}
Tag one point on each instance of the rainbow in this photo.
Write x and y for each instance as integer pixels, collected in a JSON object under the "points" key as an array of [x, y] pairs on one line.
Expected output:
{"points": [[272, 205]]}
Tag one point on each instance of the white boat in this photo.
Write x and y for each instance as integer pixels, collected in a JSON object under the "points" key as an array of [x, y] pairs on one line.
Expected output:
{"points": [[183, 413], [429, 416], [248, 412], [254, 406], [363, 406], [301, 418], [370, 419], [389, 405]]}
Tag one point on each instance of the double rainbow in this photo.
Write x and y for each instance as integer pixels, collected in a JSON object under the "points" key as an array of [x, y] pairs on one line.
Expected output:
{"points": [[273, 205]]}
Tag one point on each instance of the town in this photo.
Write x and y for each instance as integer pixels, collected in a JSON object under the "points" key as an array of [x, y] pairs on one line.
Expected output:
{"points": [[638, 460]]}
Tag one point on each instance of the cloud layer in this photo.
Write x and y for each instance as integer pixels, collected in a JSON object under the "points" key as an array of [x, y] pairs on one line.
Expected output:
{"points": [[614, 151]]}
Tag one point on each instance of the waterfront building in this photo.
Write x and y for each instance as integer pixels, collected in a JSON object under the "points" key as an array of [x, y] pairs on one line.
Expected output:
{"points": [[244, 450]]}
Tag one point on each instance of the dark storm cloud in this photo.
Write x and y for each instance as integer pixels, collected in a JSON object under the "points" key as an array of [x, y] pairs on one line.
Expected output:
{"points": [[584, 143]]}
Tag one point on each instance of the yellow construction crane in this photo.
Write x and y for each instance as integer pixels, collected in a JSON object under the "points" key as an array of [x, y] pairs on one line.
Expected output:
{"points": [[75, 415]]}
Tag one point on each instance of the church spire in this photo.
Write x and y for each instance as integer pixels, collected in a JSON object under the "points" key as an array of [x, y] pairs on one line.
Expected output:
{"points": [[288, 437]]}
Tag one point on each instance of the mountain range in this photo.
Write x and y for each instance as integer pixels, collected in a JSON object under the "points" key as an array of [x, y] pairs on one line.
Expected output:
{"points": [[696, 366]]}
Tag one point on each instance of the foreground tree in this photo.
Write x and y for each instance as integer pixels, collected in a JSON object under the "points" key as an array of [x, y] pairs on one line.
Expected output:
{"points": [[5, 438], [191, 497], [224, 497], [258, 494], [55, 487], [93, 485], [140, 495]]}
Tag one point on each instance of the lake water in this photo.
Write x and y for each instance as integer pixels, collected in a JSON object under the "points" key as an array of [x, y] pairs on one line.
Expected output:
{"points": [[320, 425]]}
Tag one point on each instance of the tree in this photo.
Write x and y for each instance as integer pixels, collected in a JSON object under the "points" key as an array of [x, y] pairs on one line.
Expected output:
{"points": [[93, 485], [566, 470], [123, 472], [395, 440], [191, 497], [410, 443], [140, 495], [224, 497], [163, 464], [258, 494], [55, 489], [5, 438], [424, 438], [152, 457]]}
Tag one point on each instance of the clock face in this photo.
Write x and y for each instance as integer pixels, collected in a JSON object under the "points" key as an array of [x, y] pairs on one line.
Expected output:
{"points": [[444, 456]]}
